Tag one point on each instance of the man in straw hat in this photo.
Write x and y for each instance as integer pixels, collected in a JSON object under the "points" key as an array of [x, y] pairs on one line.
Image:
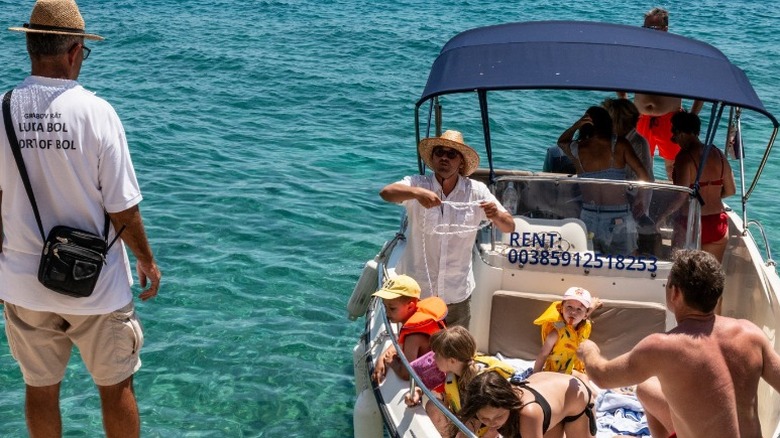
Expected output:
{"points": [[74, 148], [438, 258]]}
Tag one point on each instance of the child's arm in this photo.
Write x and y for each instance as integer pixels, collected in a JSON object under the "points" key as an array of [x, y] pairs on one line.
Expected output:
{"points": [[547, 347], [413, 399], [596, 305], [414, 344], [381, 365]]}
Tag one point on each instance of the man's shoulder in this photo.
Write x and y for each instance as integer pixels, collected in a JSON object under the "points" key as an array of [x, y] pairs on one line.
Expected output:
{"points": [[733, 327], [474, 184], [660, 343]]}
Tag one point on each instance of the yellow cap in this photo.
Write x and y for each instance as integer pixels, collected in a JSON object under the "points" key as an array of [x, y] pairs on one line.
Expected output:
{"points": [[401, 286]]}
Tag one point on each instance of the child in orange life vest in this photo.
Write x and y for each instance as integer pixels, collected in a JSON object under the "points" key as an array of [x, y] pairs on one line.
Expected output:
{"points": [[564, 325], [420, 319], [455, 354]]}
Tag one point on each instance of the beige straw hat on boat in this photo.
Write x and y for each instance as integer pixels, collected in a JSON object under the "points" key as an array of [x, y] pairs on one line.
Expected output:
{"points": [[59, 17], [450, 139]]}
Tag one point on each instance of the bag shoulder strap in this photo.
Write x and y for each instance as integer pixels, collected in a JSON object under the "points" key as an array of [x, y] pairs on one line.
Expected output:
{"points": [[14, 143], [9, 130]]}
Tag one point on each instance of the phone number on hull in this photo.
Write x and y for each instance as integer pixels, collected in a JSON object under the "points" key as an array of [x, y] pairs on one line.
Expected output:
{"points": [[582, 260]]}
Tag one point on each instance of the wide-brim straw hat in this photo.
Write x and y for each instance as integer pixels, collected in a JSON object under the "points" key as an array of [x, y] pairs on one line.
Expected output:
{"points": [[57, 17], [454, 140]]}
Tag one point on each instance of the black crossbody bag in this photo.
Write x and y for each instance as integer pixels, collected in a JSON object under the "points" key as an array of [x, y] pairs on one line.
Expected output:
{"points": [[71, 259]]}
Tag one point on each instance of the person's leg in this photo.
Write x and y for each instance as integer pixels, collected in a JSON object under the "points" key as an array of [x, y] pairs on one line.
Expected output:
{"points": [[459, 314], [110, 345], [659, 418], [120, 410], [42, 411], [437, 418], [38, 342], [717, 248]]}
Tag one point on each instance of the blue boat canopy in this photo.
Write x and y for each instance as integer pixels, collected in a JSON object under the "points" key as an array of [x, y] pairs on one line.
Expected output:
{"points": [[588, 56]]}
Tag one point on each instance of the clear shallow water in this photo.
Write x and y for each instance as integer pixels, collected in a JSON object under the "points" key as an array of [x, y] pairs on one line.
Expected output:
{"points": [[261, 133]]}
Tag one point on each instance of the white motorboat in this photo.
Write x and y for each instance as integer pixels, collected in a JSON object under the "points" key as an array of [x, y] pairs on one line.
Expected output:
{"points": [[518, 275]]}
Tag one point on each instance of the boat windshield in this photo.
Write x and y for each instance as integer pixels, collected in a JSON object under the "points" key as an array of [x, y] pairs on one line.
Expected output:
{"points": [[573, 215]]}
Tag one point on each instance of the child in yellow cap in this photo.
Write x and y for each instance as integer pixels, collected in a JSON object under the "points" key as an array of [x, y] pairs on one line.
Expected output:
{"points": [[419, 318], [564, 325]]}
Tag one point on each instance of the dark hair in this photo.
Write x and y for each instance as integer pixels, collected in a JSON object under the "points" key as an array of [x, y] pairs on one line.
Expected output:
{"points": [[602, 124], [489, 389], [44, 44], [688, 123], [699, 276], [661, 13]]}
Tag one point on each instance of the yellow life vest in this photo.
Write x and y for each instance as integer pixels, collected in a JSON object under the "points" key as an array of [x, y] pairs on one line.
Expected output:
{"points": [[563, 357], [486, 363]]}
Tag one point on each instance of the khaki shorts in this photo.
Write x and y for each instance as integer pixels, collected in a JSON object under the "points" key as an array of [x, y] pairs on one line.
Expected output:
{"points": [[41, 343], [459, 314]]}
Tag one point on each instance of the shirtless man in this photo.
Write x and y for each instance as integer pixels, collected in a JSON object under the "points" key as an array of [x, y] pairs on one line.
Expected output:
{"points": [[656, 111], [704, 373]]}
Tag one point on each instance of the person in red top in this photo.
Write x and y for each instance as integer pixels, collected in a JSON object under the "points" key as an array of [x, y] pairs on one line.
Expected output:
{"points": [[656, 111], [420, 319]]}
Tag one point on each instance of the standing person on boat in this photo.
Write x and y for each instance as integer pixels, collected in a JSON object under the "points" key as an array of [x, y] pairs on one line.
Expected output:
{"points": [[75, 152], [598, 153], [546, 404], [625, 116], [703, 374], [455, 353], [419, 319], [656, 111], [565, 325], [716, 182], [442, 261]]}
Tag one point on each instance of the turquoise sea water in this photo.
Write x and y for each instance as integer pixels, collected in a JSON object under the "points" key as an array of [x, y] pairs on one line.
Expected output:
{"points": [[261, 133]]}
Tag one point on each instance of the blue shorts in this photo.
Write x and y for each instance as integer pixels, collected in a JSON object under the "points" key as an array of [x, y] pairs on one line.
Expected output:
{"points": [[613, 227]]}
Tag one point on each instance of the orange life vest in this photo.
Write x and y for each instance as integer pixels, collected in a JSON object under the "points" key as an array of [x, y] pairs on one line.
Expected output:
{"points": [[428, 319]]}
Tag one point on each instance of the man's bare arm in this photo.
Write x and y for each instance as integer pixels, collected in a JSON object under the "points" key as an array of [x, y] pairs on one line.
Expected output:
{"points": [[771, 368], [628, 369], [134, 236], [697, 106], [398, 193]]}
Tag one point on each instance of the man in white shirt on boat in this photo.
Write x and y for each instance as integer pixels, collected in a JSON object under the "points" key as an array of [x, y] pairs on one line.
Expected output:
{"points": [[445, 211], [701, 378]]}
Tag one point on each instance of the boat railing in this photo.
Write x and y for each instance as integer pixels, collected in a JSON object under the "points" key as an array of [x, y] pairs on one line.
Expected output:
{"points": [[767, 249], [415, 380]]}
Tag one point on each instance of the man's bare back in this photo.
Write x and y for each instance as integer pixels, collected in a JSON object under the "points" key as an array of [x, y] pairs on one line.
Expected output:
{"points": [[709, 372], [700, 379]]}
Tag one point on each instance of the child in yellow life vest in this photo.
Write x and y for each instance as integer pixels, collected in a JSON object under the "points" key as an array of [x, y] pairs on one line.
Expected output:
{"points": [[420, 319], [564, 325], [456, 355]]}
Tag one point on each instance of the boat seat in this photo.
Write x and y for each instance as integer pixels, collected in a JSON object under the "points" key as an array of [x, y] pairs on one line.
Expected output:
{"points": [[570, 233], [617, 326]]}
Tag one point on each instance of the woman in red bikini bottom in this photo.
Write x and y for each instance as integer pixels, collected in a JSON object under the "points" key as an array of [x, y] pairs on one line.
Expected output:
{"points": [[716, 181]]}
